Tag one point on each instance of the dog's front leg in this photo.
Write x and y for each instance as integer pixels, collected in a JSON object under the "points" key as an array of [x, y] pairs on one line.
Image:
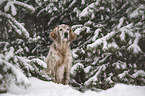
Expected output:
{"points": [[66, 76], [59, 73]]}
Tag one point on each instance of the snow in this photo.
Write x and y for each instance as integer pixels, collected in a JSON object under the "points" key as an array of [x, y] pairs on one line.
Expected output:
{"points": [[79, 28], [19, 50], [95, 77], [113, 44], [138, 11], [87, 11], [50, 8], [77, 11], [122, 36], [138, 73], [120, 65], [43, 88], [102, 40], [76, 66], [10, 4], [34, 39], [21, 79], [40, 62], [74, 55], [134, 46], [1, 1], [109, 78], [26, 6], [13, 8], [96, 34], [123, 74], [78, 31], [25, 62], [120, 23], [83, 2], [9, 54], [16, 25], [87, 69], [127, 29]]}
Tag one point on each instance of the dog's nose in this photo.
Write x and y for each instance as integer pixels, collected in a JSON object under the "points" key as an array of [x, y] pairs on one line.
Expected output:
{"points": [[65, 35]]}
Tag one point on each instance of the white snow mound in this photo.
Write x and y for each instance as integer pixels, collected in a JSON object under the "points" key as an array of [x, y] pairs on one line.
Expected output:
{"points": [[43, 88]]}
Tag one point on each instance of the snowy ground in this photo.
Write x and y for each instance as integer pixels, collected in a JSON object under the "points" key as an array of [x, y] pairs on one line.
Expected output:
{"points": [[42, 88]]}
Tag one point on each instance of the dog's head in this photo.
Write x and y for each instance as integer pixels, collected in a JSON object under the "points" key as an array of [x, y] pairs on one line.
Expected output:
{"points": [[62, 33]]}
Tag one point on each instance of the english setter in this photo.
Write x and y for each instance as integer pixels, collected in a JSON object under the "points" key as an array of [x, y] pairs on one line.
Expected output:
{"points": [[59, 58]]}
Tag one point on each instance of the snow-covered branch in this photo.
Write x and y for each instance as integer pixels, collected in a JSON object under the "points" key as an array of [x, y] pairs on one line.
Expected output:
{"points": [[19, 76], [62, 14], [96, 33], [94, 78], [128, 29], [16, 25], [11, 5], [13, 8], [102, 40], [89, 10], [26, 6], [134, 46], [139, 11]]}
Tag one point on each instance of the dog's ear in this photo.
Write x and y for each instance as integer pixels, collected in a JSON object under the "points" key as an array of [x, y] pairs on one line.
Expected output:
{"points": [[53, 34], [72, 35]]}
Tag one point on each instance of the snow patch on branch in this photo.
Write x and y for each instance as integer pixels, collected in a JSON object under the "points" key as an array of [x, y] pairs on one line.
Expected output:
{"points": [[138, 11], [113, 45], [40, 62], [88, 11], [95, 77], [97, 31], [16, 25], [76, 66], [9, 5], [134, 46], [78, 31], [120, 65], [102, 40], [19, 76], [128, 29], [138, 73], [9, 54], [74, 53], [123, 74], [26, 6], [120, 23]]}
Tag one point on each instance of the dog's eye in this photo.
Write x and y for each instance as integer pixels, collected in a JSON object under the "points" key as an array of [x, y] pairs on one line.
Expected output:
{"points": [[68, 29], [60, 29]]}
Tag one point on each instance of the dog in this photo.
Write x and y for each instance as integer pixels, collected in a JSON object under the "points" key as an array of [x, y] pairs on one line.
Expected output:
{"points": [[59, 58]]}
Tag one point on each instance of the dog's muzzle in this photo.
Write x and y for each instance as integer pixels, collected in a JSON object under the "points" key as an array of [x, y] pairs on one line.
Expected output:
{"points": [[65, 35]]}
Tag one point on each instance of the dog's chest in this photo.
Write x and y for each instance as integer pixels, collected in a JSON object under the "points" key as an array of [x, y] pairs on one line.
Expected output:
{"points": [[64, 56], [61, 55]]}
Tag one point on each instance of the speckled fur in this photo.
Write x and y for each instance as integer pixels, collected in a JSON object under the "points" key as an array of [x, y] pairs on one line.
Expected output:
{"points": [[59, 58]]}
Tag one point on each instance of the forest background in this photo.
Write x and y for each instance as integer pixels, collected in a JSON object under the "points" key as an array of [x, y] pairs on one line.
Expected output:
{"points": [[109, 48]]}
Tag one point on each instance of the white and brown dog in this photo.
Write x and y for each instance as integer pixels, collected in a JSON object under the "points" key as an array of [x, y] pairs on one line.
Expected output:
{"points": [[59, 58]]}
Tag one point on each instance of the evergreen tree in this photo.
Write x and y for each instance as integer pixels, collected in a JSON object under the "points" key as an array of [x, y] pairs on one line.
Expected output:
{"points": [[109, 48], [15, 40]]}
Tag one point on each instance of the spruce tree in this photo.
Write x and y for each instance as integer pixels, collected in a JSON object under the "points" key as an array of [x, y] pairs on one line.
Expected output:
{"points": [[16, 63], [109, 50]]}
